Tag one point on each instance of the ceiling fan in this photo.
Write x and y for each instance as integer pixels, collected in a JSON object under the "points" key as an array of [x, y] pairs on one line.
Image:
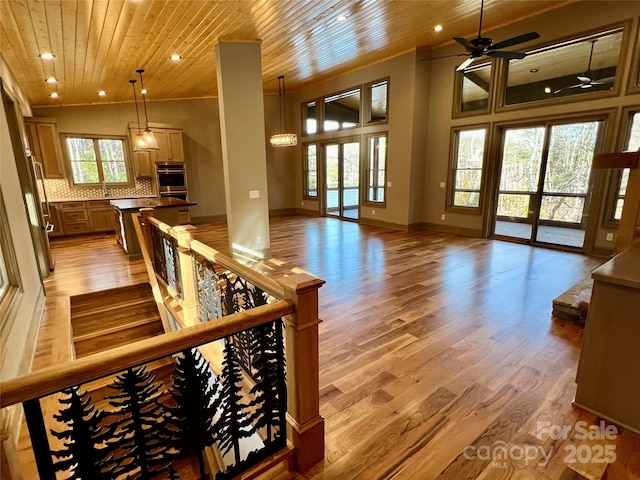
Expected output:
{"points": [[585, 79], [483, 46]]}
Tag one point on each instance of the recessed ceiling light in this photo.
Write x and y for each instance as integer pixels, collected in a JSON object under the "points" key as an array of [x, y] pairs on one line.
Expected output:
{"points": [[534, 70], [547, 90], [47, 56], [342, 17], [175, 57], [144, 91], [102, 93], [51, 80], [54, 95], [438, 28]]}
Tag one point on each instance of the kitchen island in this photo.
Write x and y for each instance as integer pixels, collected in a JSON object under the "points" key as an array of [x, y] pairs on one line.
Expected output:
{"points": [[171, 211]]}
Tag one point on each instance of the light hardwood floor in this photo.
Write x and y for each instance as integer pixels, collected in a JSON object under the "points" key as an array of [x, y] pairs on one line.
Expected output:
{"points": [[432, 345]]}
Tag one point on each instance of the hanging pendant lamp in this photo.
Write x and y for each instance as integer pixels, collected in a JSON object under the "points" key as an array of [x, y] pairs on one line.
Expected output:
{"points": [[283, 139], [139, 145], [149, 137]]}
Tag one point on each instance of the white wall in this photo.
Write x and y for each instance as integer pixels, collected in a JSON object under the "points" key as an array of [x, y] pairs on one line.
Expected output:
{"points": [[17, 345]]}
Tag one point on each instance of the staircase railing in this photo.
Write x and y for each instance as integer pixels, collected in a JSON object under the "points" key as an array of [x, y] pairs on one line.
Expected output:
{"points": [[228, 402]]}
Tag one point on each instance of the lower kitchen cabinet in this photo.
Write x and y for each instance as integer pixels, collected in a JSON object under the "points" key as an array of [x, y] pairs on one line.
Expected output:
{"points": [[55, 220], [100, 216], [84, 217]]}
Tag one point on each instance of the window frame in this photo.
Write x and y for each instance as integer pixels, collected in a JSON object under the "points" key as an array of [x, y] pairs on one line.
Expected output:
{"points": [[365, 201], [324, 110], [457, 111], [453, 169], [306, 170], [11, 293], [303, 115], [615, 175], [367, 106], [633, 86], [95, 138], [625, 27]]}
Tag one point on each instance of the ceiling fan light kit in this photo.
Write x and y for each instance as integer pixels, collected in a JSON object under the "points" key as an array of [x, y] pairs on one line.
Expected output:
{"points": [[585, 79]]}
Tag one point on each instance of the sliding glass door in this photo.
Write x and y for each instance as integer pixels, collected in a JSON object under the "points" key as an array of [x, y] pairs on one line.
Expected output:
{"points": [[544, 183], [342, 179]]}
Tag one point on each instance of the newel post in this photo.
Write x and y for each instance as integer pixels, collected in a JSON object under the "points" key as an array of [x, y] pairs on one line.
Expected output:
{"points": [[146, 213], [305, 425], [189, 289]]}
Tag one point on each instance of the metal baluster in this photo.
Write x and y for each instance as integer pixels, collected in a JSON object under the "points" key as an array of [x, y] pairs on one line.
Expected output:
{"points": [[39, 440]]}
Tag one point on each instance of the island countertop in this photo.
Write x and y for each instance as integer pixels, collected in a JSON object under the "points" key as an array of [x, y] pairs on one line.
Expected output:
{"points": [[138, 203]]}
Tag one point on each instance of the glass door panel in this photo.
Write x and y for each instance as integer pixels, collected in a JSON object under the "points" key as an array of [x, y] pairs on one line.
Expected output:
{"points": [[332, 179], [342, 180], [567, 174], [519, 178]]}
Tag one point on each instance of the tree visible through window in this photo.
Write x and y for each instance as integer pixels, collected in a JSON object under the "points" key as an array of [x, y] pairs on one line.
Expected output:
{"points": [[468, 159], [97, 160], [633, 144], [311, 171], [376, 168]]}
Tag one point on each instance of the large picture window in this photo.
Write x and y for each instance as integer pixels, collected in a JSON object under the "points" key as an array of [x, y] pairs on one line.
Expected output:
{"points": [[94, 161], [376, 168], [468, 148], [310, 152]]}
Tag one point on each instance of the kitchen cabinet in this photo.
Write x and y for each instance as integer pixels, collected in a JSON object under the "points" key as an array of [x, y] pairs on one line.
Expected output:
{"points": [[170, 149], [45, 146], [100, 216], [90, 216]]}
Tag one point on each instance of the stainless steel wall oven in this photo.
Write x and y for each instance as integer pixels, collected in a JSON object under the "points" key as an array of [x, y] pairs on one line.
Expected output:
{"points": [[172, 180]]}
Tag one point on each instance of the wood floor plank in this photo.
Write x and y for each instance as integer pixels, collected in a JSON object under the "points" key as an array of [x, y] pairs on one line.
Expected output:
{"points": [[430, 343]]}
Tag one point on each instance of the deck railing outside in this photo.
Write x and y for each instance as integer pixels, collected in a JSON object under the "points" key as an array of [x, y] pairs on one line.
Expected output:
{"points": [[233, 382]]}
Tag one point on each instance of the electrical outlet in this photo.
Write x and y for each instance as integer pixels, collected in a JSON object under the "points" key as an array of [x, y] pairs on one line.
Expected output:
{"points": [[302, 203], [388, 184], [373, 212], [254, 193], [442, 216], [609, 237], [442, 185], [259, 239]]}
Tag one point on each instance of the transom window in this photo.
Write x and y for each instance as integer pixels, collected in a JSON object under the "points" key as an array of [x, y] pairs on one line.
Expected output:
{"points": [[468, 152], [97, 160]]}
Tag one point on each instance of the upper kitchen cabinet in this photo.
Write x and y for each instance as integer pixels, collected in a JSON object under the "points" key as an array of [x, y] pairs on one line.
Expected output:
{"points": [[45, 146], [170, 149]]}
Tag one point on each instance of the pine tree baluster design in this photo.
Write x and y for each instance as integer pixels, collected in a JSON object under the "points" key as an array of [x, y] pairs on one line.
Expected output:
{"points": [[170, 247], [233, 423], [138, 416], [270, 389], [209, 296], [85, 453], [159, 262], [190, 422]]}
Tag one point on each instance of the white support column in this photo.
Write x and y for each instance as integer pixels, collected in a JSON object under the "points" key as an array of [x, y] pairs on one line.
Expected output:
{"points": [[241, 104]]}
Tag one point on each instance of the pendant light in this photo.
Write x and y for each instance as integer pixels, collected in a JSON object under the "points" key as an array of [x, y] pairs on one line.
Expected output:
{"points": [[149, 137], [283, 139], [139, 144]]}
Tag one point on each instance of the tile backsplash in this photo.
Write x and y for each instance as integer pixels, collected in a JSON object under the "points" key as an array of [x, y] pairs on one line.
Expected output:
{"points": [[58, 190]]}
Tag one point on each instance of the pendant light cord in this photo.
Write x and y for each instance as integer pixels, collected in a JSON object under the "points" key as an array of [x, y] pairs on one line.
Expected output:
{"points": [[135, 101], [144, 101], [282, 103]]}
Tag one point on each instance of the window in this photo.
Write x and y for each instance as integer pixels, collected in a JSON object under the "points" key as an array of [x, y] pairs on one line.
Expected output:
{"points": [[309, 118], [620, 178], [473, 86], [94, 161], [9, 275], [377, 101], [580, 66], [310, 152], [342, 110], [376, 168], [468, 152]]}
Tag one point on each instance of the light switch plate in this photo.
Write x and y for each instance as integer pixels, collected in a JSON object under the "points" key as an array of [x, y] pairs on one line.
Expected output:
{"points": [[254, 193]]}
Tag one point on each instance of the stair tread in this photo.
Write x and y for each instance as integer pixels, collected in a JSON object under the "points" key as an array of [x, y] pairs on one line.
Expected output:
{"points": [[119, 337], [98, 300], [152, 318], [119, 316]]}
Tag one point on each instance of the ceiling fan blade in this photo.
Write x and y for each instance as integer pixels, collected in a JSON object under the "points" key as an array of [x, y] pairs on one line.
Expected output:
{"points": [[584, 79], [444, 56], [506, 54], [465, 64], [578, 85], [516, 40], [465, 43], [603, 81]]}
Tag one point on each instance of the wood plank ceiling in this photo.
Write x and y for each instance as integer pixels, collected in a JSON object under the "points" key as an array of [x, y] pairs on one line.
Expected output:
{"points": [[98, 45]]}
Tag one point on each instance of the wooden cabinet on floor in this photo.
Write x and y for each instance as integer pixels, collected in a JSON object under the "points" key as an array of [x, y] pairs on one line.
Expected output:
{"points": [[90, 216], [44, 144]]}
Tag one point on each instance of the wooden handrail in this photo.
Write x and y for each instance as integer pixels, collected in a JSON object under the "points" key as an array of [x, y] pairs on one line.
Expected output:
{"points": [[265, 283], [56, 378]]}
